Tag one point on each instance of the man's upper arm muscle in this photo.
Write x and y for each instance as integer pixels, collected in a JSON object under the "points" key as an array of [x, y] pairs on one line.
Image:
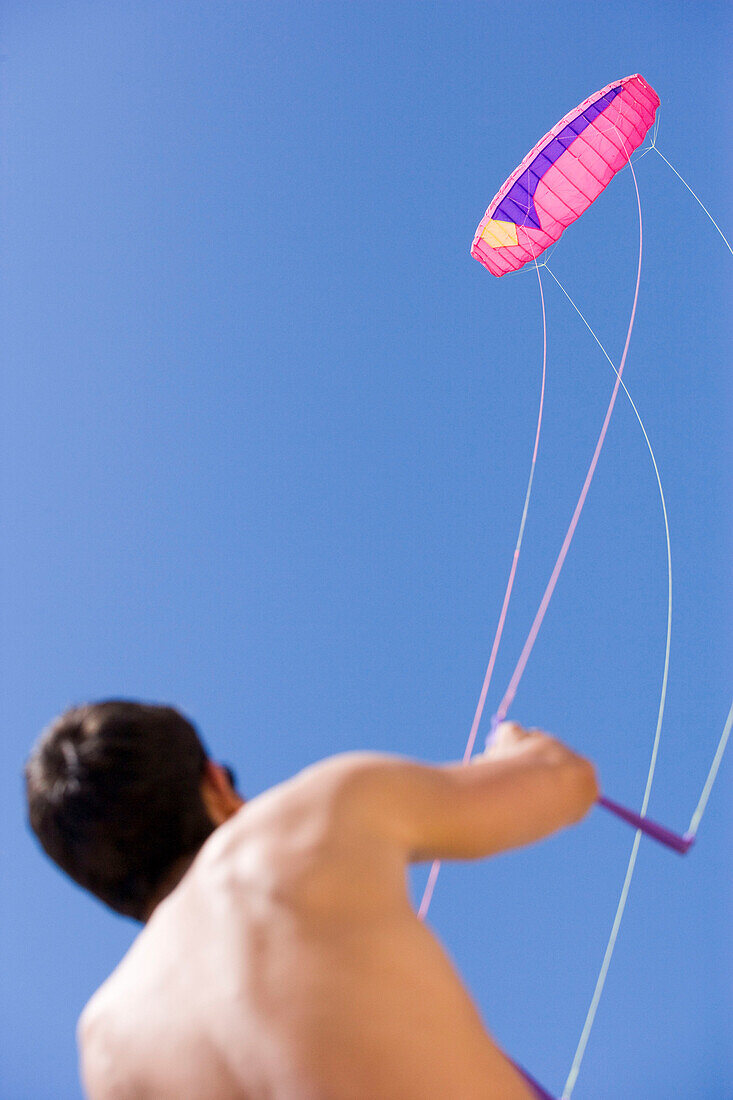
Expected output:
{"points": [[99, 1071], [501, 800], [89, 1069]]}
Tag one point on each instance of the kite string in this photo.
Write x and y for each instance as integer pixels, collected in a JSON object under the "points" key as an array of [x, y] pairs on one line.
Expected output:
{"points": [[697, 815], [435, 868], [511, 691], [708, 786], [601, 980], [665, 676], [700, 808], [653, 146], [534, 630], [610, 946]]}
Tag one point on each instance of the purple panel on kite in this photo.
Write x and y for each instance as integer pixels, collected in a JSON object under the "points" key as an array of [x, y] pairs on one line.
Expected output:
{"points": [[518, 204]]}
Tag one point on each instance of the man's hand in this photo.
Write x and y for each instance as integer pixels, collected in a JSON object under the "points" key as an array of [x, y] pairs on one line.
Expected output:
{"points": [[510, 739]]}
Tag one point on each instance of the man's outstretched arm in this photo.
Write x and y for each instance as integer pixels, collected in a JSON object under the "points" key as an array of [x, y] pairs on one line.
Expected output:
{"points": [[525, 787]]}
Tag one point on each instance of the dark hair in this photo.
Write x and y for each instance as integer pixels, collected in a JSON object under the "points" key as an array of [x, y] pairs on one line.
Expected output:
{"points": [[114, 796]]}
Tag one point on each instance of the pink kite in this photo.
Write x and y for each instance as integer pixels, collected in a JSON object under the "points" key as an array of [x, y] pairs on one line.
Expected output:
{"points": [[565, 172]]}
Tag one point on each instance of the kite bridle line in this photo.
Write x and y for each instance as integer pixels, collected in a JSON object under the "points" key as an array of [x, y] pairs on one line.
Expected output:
{"points": [[684, 182]]}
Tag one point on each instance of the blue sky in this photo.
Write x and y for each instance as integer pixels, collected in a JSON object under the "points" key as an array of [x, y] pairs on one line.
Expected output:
{"points": [[265, 432]]}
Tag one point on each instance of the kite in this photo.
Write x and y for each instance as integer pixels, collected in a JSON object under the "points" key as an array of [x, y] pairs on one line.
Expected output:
{"points": [[564, 173], [554, 185]]}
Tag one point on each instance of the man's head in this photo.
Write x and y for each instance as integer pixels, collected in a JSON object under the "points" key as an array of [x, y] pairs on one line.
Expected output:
{"points": [[120, 794]]}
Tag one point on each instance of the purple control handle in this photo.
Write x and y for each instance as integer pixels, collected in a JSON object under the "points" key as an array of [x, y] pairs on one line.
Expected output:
{"points": [[663, 835]]}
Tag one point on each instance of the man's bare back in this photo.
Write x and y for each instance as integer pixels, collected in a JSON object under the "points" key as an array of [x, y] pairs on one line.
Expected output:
{"points": [[289, 964]]}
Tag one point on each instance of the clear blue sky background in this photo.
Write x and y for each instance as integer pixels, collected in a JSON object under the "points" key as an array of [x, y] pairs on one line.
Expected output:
{"points": [[265, 431]]}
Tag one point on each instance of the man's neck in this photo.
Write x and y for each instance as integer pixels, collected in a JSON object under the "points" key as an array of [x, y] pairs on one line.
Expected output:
{"points": [[169, 884]]}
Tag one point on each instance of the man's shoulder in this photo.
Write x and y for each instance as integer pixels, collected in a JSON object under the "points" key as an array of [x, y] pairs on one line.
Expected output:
{"points": [[332, 772], [321, 792]]}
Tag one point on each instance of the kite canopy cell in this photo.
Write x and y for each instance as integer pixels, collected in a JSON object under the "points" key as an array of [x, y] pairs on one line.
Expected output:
{"points": [[564, 173]]}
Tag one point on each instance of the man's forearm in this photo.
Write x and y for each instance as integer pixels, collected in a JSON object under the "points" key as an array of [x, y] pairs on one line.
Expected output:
{"points": [[506, 801]]}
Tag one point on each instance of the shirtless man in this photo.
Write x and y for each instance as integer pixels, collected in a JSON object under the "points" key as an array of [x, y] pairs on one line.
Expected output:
{"points": [[281, 958]]}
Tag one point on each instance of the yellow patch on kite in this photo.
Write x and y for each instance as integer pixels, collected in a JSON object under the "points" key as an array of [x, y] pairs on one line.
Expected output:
{"points": [[498, 234]]}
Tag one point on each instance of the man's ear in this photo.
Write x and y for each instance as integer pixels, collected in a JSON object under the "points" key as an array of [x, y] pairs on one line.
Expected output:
{"points": [[219, 797]]}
